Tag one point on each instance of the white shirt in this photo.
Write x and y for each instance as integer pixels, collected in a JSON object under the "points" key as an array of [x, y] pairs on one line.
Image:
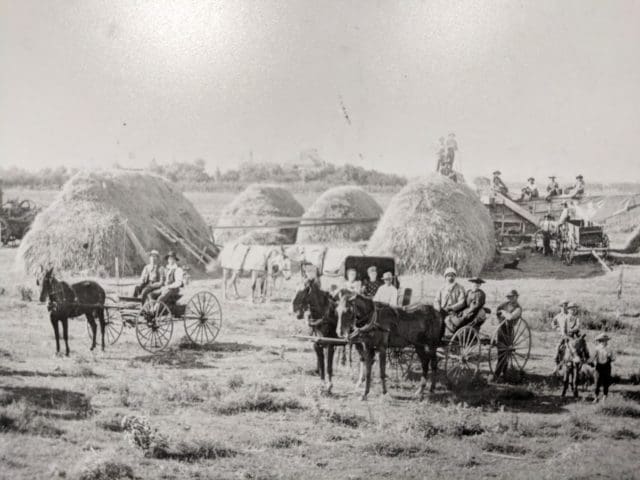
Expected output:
{"points": [[387, 294]]}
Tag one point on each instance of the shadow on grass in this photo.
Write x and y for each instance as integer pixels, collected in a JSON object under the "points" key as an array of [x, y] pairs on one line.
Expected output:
{"points": [[51, 402], [190, 355], [223, 347], [8, 372]]}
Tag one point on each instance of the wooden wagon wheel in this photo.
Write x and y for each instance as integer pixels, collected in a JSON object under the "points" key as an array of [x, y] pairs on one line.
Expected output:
{"points": [[154, 326], [510, 348], [203, 318], [113, 324], [462, 356]]}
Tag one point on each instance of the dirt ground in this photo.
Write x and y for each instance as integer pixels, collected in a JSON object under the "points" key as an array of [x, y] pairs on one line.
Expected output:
{"points": [[250, 406]]}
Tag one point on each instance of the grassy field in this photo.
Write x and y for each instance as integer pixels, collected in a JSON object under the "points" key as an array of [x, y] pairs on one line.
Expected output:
{"points": [[250, 406]]}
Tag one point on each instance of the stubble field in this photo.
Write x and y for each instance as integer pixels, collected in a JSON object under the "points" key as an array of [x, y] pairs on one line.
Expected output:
{"points": [[251, 406]]}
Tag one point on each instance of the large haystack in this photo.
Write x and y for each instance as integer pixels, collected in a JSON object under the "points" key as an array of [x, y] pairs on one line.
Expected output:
{"points": [[258, 204], [435, 223], [347, 202], [103, 215]]}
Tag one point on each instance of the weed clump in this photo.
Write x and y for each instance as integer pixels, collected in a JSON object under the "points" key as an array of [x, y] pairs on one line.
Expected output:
{"points": [[106, 470], [285, 441], [618, 407], [19, 417], [256, 402]]}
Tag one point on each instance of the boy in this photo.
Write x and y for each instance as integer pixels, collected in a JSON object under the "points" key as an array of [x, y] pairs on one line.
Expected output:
{"points": [[601, 359]]}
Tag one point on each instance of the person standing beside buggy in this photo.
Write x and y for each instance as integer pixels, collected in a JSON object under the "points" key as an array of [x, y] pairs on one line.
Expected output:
{"points": [[602, 359], [152, 277], [508, 313], [174, 281]]}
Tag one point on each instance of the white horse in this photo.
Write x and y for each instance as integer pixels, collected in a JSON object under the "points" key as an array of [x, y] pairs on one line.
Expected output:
{"points": [[264, 263]]}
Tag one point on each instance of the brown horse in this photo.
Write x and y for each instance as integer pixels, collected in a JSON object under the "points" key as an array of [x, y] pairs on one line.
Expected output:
{"points": [[576, 353], [377, 327], [82, 298]]}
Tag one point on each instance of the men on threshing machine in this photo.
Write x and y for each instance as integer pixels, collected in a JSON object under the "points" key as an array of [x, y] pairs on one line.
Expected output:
{"points": [[529, 191], [498, 185], [152, 277], [577, 189], [553, 188]]}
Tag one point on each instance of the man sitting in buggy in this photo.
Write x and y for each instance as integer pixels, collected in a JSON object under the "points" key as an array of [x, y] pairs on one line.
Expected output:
{"points": [[450, 301], [152, 277], [174, 281]]}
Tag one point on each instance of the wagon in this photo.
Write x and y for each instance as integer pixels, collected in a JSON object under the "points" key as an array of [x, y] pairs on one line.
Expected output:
{"points": [[15, 219], [154, 320], [577, 238]]}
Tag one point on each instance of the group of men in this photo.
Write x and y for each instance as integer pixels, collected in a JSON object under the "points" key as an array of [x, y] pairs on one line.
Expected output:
{"points": [[530, 190], [379, 290], [162, 283], [446, 156]]}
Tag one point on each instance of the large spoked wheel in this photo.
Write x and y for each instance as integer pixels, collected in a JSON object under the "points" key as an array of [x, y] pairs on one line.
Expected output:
{"points": [[462, 359], [154, 326], [510, 348], [113, 324], [203, 318]]}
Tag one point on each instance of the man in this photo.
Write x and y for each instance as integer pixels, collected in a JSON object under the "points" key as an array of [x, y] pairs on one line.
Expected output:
{"points": [[442, 155], [352, 283], [530, 191], [370, 285], [602, 358], [450, 301], [449, 173], [558, 323], [152, 277], [452, 148], [174, 281], [475, 300], [508, 313], [565, 216], [498, 185], [568, 327], [387, 293], [577, 190], [548, 228], [553, 188]]}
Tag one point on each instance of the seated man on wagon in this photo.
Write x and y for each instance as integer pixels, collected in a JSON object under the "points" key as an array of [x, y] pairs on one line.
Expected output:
{"points": [[498, 185], [152, 277], [577, 189], [174, 281], [371, 285], [450, 301], [387, 293], [529, 191], [553, 188]]}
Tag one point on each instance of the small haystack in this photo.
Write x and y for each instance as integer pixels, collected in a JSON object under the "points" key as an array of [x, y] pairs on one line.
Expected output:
{"points": [[103, 215], [258, 205], [347, 202], [433, 224]]}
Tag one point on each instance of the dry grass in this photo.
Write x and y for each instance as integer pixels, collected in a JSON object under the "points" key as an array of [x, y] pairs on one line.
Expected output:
{"points": [[433, 224], [20, 417], [234, 404], [619, 407]]}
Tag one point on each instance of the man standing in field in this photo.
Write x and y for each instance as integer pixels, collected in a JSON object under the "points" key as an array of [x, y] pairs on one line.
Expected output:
{"points": [[548, 228], [450, 301], [558, 323], [152, 277], [602, 359], [387, 293], [569, 327]]}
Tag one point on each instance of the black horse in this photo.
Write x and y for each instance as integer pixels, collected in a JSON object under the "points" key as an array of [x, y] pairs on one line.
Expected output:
{"points": [[82, 298], [377, 327], [576, 354]]}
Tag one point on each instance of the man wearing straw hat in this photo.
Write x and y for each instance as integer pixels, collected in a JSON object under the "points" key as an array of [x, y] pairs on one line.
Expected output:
{"points": [[387, 293], [152, 277], [601, 359], [450, 301], [173, 282], [559, 322], [553, 188], [498, 185], [529, 191]]}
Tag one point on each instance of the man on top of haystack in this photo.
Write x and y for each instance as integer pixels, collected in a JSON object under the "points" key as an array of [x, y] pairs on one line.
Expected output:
{"points": [[152, 277]]}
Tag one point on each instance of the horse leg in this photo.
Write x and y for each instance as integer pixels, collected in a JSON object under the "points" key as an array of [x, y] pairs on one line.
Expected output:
{"points": [[234, 282], [330, 353], [369, 353], [100, 314], [424, 362], [433, 353], [320, 358], [54, 324], [382, 357], [576, 381], [65, 332], [225, 272], [94, 329], [362, 368], [254, 282], [565, 380]]}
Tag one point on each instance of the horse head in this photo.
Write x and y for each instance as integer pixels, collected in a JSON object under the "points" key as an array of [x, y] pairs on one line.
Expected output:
{"points": [[353, 311], [577, 350], [279, 262], [311, 298], [46, 280]]}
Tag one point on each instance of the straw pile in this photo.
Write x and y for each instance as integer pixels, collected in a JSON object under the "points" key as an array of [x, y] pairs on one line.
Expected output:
{"points": [[258, 204], [103, 215], [347, 202], [433, 224]]}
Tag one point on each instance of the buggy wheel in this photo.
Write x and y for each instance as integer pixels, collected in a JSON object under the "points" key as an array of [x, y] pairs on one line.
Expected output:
{"points": [[402, 361], [462, 357], [510, 348], [203, 318], [154, 326], [113, 324]]}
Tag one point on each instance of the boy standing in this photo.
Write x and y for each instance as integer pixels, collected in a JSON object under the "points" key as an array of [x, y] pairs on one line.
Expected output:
{"points": [[601, 359]]}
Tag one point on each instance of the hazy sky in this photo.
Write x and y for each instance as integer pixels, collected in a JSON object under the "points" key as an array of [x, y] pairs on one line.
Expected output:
{"points": [[530, 87]]}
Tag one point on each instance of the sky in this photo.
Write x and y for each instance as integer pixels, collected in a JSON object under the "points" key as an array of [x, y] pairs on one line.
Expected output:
{"points": [[529, 87]]}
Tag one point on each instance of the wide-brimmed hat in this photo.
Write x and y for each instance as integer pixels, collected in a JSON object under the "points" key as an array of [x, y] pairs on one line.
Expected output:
{"points": [[603, 337], [387, 275], [173, 255], [497, 172], [450, 271], [552, 177], [531, 179], [154, 253], [477, 280], [513, 293], [579, 177], [564, 302], [572, 305], [372, 268]]}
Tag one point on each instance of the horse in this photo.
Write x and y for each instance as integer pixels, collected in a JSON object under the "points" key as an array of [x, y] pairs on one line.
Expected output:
{"points": [[323, 322], [576, 353], [82, 298], [377, 327], [263, 262]]}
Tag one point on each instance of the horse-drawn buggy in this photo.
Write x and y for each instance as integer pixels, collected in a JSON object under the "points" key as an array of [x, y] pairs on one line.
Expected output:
{"points": [[16, 216]]}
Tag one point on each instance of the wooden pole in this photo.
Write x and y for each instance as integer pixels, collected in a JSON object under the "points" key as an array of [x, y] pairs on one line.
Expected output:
{"points": [[601, 261]]}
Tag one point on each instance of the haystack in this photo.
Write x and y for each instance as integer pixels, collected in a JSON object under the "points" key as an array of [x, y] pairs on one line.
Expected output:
{"points": [[433, 224], [347, 202], [103, 215], [258, 205]]}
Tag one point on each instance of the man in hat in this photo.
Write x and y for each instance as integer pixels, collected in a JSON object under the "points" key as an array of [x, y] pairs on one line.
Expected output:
{"points": [[602, 358], [352, 283], [452, 148], [387, 293], [152, 277], [442, 155], [370, 285], [553, 188], [508, 313], [559, 322], [173, 282], [450, 301], [577, 189], [475, 299], [529, 191], [547, 228], [568, 326], [565, 216], [498, 185]]}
